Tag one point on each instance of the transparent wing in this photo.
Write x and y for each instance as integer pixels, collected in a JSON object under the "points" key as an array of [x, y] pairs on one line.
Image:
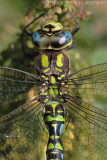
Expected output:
{"points": [[90, 83], [85, 102], [21, 132], [14, 84], [16, 87]]}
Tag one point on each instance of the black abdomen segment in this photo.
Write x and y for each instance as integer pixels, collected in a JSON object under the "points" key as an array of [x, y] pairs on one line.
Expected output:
{"points": [[54, 120]]}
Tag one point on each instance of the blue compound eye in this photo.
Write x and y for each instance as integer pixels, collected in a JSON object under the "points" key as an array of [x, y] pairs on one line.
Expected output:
{"points": [[40, 39], [36, 38], [61, 39]]}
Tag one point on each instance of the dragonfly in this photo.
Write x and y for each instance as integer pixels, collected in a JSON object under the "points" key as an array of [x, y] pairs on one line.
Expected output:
{"points": [[58, 111]]}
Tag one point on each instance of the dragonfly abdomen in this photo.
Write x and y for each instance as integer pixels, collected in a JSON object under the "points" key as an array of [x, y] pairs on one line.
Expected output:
{"points": [[54, 120]]}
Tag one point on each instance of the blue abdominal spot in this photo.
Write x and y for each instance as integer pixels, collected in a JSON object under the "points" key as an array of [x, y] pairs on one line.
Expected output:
{"points": [[62, 156], [62, 125]]}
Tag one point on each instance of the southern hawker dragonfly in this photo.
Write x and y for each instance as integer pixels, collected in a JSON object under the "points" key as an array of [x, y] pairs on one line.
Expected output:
{"points": [[58, 111]]}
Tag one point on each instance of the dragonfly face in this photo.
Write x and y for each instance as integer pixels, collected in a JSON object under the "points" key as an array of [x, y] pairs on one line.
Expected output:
{"points": [[63, 102], [51, 36], [51, 27]]}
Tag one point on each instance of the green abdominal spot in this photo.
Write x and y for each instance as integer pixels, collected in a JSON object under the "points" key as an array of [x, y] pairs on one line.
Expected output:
{"points": [[54, 159], [58, 146], [58, 118], [56, 137], [50, 146]]}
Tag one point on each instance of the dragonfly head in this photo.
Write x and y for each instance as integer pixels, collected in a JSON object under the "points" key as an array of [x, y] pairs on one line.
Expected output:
{"points": [[51, 27]]}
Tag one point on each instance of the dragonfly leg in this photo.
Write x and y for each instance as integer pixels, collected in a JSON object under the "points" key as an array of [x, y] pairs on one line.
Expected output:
{"points": [[26, 28], [78, 25]]}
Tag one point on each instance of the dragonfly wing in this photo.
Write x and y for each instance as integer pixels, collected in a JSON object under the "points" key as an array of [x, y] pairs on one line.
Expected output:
{"points": [[16, 86], [86, 135], [21, 132], [14, 82], [87, 129], [90, 84]]}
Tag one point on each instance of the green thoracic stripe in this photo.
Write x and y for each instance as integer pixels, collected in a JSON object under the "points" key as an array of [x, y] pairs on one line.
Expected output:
{"points": [[44, 93], [43, 84], [56, 91], [59, 60], [62, 76], [45, 62], [44, 77], [62, 83], [46, 100], [58, 69], [53, 91], [46, 70], [53, 80]]}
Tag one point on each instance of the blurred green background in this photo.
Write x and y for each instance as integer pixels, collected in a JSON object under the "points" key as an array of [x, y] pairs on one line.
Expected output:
{"points": [[91, 40]]}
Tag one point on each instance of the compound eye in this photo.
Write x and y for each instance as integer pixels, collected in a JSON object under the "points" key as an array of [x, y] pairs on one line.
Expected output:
{"points": [[61, 39], [36, 37], [40, 39]]}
